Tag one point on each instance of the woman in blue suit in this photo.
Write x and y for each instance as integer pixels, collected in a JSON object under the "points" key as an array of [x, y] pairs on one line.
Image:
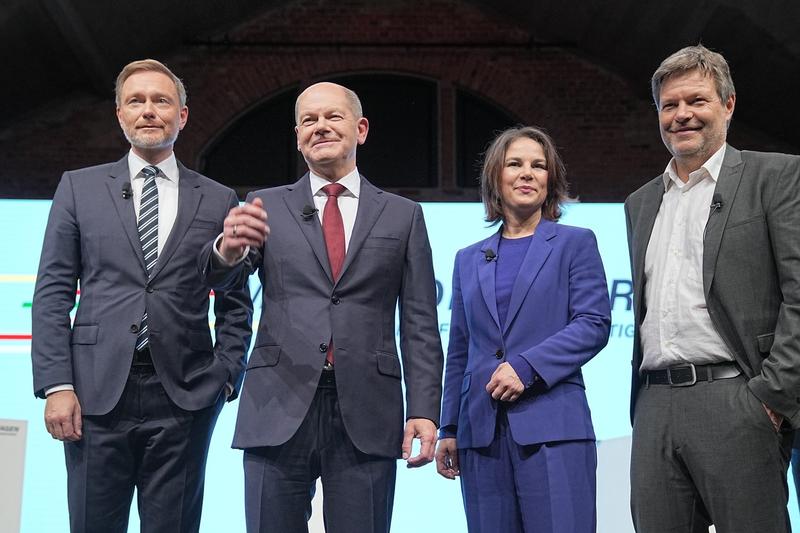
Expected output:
{"points": [[530, 307]]}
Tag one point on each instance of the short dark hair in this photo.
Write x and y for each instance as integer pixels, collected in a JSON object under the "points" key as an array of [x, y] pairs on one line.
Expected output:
{"points": [[494, 159]]}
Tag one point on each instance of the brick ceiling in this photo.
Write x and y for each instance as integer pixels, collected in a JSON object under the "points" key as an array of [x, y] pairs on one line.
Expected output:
{"points": [[59, 49]]}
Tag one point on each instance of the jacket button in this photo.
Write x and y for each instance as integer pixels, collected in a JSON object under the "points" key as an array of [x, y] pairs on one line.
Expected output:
{"points": [[323, 347], [335, 299], [149, 288], [499, 354], [135, 328]]}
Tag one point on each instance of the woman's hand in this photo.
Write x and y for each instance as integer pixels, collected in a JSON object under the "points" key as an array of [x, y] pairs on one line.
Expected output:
{"points": [[447, 458], [505, 384]]}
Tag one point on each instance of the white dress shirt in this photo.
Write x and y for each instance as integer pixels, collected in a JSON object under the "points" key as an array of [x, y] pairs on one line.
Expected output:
{"points": [[677, 327], [348, 200]]}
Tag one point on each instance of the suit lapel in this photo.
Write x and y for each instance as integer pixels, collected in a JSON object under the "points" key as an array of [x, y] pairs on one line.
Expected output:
{"points": [[189, 196], [535, 257], [645, 219], [118, 177], [370, 205], [486, 276], [298, 197], [730, 175]]}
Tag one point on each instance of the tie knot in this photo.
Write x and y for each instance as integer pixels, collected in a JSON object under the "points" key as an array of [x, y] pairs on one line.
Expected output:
{"points": [[150, 171], [334, 189]]}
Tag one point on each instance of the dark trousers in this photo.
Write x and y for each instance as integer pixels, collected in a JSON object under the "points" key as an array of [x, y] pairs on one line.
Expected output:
{"points": [[280, 480], [707, 454], [541, 488], [148, 443]]}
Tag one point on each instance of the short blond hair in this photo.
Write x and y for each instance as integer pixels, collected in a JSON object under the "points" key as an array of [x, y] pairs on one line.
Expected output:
{"points": [[150, 65]]}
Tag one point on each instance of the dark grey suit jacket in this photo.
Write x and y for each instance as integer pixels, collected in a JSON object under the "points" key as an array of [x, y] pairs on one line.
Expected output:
{"points": [[751, 270], [388, 262], [92, 237]]}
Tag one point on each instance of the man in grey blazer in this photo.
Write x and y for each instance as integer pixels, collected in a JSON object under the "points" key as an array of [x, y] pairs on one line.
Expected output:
{"points": [[135, 384], [323, 395], [715, 255]]}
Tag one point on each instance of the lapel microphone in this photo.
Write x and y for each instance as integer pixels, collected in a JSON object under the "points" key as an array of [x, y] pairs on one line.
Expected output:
{"points": [[489, 255], [308, 212], [716, 202], [127, 192]]}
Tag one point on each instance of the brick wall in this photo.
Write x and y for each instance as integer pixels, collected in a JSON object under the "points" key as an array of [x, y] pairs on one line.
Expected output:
{"points": [[604, 125]]}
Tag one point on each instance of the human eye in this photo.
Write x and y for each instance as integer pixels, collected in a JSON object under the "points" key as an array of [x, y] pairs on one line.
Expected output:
{"points": [[512, 163]]}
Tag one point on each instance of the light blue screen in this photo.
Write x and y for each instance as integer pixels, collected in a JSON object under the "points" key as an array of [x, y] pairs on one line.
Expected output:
{"points": [[424, 502]]}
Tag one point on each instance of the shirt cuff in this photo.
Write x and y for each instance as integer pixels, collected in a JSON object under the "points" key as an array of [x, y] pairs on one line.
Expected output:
{"points": [[527, 375], [222, 259], [58, 388], [448, 432]]}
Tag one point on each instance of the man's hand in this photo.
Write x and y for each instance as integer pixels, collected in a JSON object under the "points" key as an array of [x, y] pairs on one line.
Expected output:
{"points": [[774, 417], [424, 430], [245, 225], [62, 416], [447, 458], [505, 384]]}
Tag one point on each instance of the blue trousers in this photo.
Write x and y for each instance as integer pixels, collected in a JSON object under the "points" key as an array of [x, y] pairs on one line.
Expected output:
{"points": [[541, 488]]}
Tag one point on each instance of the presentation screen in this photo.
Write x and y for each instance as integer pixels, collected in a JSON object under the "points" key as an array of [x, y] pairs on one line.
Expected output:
{"points": [[423, 501]]}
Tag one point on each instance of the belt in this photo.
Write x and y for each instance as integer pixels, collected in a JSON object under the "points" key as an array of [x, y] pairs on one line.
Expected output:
{"points": [[688, 374], [142, 357]]}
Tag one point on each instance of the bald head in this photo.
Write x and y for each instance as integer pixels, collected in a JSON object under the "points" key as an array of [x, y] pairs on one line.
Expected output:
{"points": [[327, 87]]}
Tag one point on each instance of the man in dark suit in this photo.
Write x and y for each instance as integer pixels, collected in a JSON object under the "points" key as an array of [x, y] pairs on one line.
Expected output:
{"points": [[715, 253], [323, 395], [134, 386]]}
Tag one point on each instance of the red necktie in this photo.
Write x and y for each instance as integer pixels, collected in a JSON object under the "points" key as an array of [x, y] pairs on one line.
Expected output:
{"points": [[333, 231]]}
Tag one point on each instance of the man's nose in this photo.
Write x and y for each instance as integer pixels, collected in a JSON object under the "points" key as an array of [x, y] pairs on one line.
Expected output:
{"points": [[683, 112], [149, 109]]}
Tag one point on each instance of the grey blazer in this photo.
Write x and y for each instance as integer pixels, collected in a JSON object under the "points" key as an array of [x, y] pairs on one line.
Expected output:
{"points": [[388, 262], [751, 270], [92, 237]]}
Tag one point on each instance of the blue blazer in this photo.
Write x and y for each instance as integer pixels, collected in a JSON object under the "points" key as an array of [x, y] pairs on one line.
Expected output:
{"points": [[558, 319]]}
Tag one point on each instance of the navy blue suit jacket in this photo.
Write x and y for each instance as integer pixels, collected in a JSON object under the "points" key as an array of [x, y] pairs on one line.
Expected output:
{"points": [[92, 238], [558, 319]]}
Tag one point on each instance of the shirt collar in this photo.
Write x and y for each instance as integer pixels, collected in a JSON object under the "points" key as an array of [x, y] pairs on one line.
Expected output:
{"points": [[168, 167], [351, 182], [711, 167]]}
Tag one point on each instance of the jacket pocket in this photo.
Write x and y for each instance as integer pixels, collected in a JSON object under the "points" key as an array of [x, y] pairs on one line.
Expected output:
{"points": [[264, 355], [84, 334], [765, 342], [205, 224], [200, 341], [388, 364]]}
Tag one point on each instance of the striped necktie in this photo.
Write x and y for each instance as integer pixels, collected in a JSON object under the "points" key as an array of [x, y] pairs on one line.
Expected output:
{"points": [[148, 236]]}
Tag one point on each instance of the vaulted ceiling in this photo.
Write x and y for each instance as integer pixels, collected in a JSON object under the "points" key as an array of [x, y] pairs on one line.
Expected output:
{"points": [[53, 50]]}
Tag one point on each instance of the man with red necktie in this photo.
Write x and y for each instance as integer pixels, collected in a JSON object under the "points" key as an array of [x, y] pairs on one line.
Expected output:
{"points": [[323, 395]]}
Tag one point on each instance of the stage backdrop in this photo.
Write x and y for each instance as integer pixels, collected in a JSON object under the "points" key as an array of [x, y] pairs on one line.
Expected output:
{"points": [[424, 501]]}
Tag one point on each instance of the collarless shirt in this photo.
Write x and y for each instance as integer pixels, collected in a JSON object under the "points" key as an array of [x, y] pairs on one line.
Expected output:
{"points": [[167, 183], [677, 327], [348, 200]]}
